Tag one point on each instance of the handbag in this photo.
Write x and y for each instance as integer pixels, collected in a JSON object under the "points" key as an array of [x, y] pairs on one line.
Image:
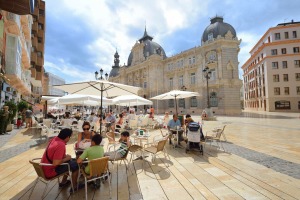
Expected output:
{"points": [[84, 144]]}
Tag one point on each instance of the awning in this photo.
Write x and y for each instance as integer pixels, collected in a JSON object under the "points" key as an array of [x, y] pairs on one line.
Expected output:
{"points": [[36, 83], [20, 7]]}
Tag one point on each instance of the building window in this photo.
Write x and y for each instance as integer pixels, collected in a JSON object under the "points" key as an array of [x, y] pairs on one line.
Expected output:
{"points": [[298, 104], [277, 36], [181, 63], [286, 90], [193, 78], [283, 51], [180, 81], [284, 64], [297, 63], [296, 49], [274, 65], [274, 52], [285, 77], [276, 78], [213, 99], [181, 103], [145, 84], [194, 102], [277, 91], [298, 90], [286, 35], [282, 105], [294, 34], [210, 36], [171, 103], [171, 83], [190, 60], [297, 76], [194, 59]]}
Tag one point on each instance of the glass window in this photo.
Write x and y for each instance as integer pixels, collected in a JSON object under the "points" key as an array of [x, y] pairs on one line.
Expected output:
{"points": [[274, 65], [193, 102], [294, 34], [284, 64], [297, 76], [213, 99], [194, 59], [190, 60], [193, 78], [286, 90], [285, 77], [277, 36], [171, 83], [274, 52], [282, 105], [277, 91], [171, 103], [276, 78], [181, 103], [283, 51], [180, 81], [298, 90], [296, 49], [297, 63], [286, 35]]}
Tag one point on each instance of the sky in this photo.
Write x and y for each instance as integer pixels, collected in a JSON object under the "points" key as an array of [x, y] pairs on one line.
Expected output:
{"points": [[83, 35]]}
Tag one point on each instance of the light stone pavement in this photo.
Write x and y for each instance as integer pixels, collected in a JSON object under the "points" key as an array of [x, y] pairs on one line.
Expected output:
{"points": [[241, 130]]}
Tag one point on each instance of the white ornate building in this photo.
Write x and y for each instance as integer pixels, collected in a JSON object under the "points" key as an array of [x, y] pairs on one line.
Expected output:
{"points": [[149, 67]]}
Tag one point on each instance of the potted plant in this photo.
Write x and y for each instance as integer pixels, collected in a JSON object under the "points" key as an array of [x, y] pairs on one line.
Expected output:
{"points": [[12, 108]]}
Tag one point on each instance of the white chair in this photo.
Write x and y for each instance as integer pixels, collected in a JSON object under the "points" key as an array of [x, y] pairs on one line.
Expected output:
{"points": [[133, 124]]}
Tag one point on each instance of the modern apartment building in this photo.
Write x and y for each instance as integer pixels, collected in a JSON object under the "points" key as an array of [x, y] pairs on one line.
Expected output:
{"points": [[149, 67], [52, 79], [272, 73]]}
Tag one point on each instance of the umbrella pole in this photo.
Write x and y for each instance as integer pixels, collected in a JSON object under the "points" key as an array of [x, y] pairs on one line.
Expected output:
{"points": [[176, 105], [101, 118]]}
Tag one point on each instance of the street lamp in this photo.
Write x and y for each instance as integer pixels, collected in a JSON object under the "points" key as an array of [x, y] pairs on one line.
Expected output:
{"points": [[101, 90], [207, 75]]}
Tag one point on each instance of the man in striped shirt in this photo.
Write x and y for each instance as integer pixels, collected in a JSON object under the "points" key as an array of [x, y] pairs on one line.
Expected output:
{"points": [[121, 152]]}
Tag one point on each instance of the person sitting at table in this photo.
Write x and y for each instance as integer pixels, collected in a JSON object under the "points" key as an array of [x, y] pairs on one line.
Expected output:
{"points": [[55, 154], [166, 119], [122, 150], [86, 135], [66, 121], [93, 152], [173, 124], [110, 121]]}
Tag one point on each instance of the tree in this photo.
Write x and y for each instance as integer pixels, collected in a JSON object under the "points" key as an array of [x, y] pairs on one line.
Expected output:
{"points": [[22, 105], [12, 108]]}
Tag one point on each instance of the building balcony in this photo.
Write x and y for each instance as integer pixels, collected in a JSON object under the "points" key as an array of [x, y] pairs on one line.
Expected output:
{"points": [[35, 27], [13, 23], [34, 42], [42, 19], [38, 76], [34, 57], [36, 12], [41, 33], [33, 72], [40, 47]]}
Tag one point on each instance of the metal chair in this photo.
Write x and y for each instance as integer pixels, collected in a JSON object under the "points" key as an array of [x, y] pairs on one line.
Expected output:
{"points": [[41, 176], [215, 135]]}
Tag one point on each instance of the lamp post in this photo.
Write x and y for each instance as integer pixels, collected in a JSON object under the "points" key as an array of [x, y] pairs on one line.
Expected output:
{"points": [[101, 90], [207, 75]]}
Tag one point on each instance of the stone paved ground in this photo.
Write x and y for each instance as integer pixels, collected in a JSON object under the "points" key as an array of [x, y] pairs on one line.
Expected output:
{"points": [[280, 165]]}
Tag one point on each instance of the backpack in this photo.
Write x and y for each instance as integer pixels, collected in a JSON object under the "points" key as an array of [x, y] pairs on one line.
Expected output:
{"points": [[194, 126]]}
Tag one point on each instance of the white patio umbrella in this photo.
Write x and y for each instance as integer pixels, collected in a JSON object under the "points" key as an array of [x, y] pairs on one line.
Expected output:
{"points": [[131, 100], [80, 99], [175, 94], [103, 88]]}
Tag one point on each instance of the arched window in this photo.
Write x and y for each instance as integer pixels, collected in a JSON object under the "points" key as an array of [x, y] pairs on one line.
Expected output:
{"points": [[171, 103], [213, 99]]}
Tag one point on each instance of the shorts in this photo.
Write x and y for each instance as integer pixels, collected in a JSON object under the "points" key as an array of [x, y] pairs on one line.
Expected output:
{"points": [[28, 120], [64, 168]]}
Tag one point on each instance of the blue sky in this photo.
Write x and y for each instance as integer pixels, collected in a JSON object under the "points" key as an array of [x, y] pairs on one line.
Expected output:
{"points": [[83, 35]]}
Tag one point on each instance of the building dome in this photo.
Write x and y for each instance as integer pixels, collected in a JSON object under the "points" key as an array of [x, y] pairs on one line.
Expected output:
{"points": [[150, 48], [217, 27]]}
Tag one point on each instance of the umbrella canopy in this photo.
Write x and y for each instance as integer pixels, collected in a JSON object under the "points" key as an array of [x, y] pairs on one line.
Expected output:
{"points": [[80, 99], [175, 94], [103, 88], [131, 100]]}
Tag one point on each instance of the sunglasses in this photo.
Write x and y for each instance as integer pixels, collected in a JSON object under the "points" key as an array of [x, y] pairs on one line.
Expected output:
{"points": [[86, 129]]}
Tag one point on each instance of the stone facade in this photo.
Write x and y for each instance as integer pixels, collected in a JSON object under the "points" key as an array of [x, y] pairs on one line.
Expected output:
{"points": [[156, 74]]}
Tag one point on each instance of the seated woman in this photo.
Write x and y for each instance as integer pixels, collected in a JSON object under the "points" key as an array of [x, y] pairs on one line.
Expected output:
{"points": [[85, 136]]}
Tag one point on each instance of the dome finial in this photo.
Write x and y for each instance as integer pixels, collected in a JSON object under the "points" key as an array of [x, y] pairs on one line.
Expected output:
{"points": [[145, 32]]}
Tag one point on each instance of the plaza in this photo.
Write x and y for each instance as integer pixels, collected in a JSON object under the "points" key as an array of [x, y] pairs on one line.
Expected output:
{"points": [[261, 161]]}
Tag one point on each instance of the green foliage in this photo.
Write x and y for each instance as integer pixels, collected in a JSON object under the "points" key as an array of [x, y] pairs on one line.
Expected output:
{"points": [[12, 110], [22, 105]]}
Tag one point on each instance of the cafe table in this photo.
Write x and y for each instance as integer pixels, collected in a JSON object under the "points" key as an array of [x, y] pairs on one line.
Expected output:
{"points": [[177, 130]]}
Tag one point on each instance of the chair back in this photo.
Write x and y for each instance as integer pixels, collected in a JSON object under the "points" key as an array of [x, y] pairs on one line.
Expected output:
{"points": [[111, 137], [220, 132], [133, 123], [134, 148], [98, 166], [38, 169], [161, 145]]}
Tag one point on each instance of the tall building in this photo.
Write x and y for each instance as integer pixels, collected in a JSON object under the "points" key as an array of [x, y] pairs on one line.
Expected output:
{"points": [[272, 73], [52, 79], [149, 67]]}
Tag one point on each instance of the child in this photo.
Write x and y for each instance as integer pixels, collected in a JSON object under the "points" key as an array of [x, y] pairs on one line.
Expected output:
{"points": [[121, 152], [19, 120], [93, 152]]}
